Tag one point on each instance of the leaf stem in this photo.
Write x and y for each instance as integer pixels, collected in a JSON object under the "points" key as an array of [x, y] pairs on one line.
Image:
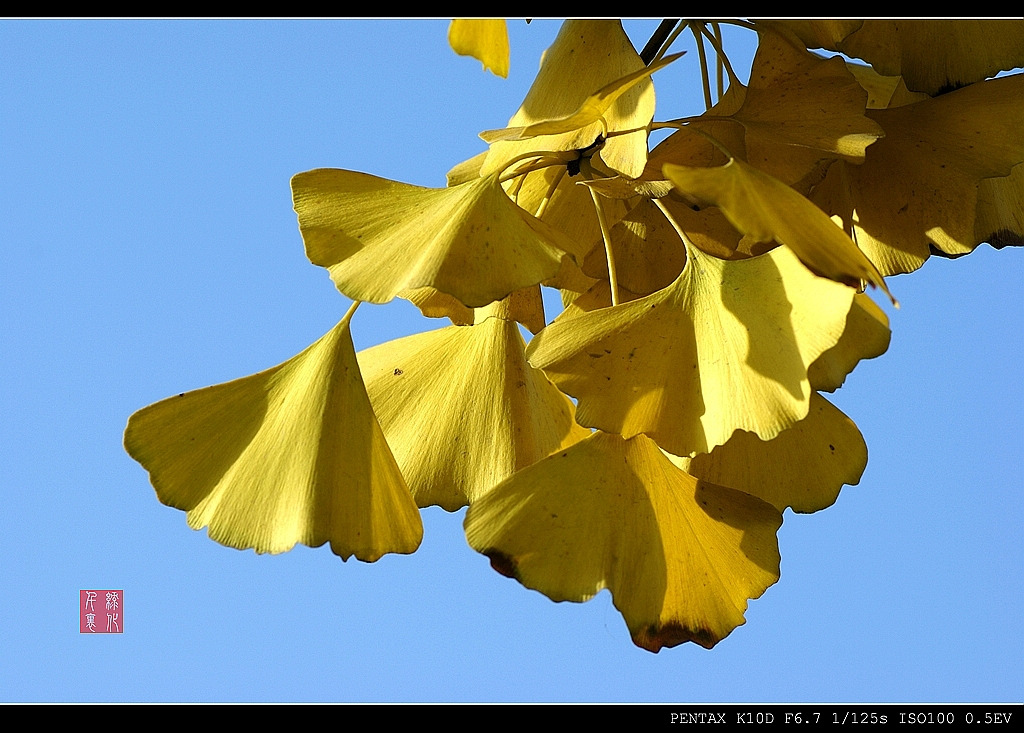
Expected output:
{"points": [[683, 123], [615, 133], [609, 257], [716, 28], [706, 82], [717, 43], [545, 159], [543, 206]]}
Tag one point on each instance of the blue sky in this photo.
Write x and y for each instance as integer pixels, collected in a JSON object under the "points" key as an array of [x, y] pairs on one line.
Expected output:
{"points": [[150, 248]]}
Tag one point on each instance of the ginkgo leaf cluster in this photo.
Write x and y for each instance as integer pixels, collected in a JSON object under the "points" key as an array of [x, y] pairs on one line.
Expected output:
{"points": [[647, 439]]}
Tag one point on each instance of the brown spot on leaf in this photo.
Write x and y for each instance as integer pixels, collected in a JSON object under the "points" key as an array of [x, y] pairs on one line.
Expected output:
{"points": [[1005, 238], [949, 86], [504, 564], [398, 372], [654, 638]]}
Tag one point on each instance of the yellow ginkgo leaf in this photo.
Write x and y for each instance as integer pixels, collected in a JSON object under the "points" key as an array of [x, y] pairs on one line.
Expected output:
{"points": [[761, 206], [726, 347], [484, 39], [931, 55], [379, 237], [803, 467], [917, 192], [800, 108], [680, 556], [586, 56], [462, 409], [292, 454]]}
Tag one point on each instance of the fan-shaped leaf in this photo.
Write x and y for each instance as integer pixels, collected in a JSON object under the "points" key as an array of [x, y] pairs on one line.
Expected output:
{"points": [[727, 346], [680, 556], [484, 39], [463, 410], [378, 237], [292, 454]]}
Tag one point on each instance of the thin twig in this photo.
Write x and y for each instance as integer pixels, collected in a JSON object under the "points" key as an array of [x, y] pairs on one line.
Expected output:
{"points": [[655, 42]]}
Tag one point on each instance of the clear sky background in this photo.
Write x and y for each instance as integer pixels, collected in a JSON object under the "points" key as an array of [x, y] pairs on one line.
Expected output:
{"points": [[149, 247]]}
